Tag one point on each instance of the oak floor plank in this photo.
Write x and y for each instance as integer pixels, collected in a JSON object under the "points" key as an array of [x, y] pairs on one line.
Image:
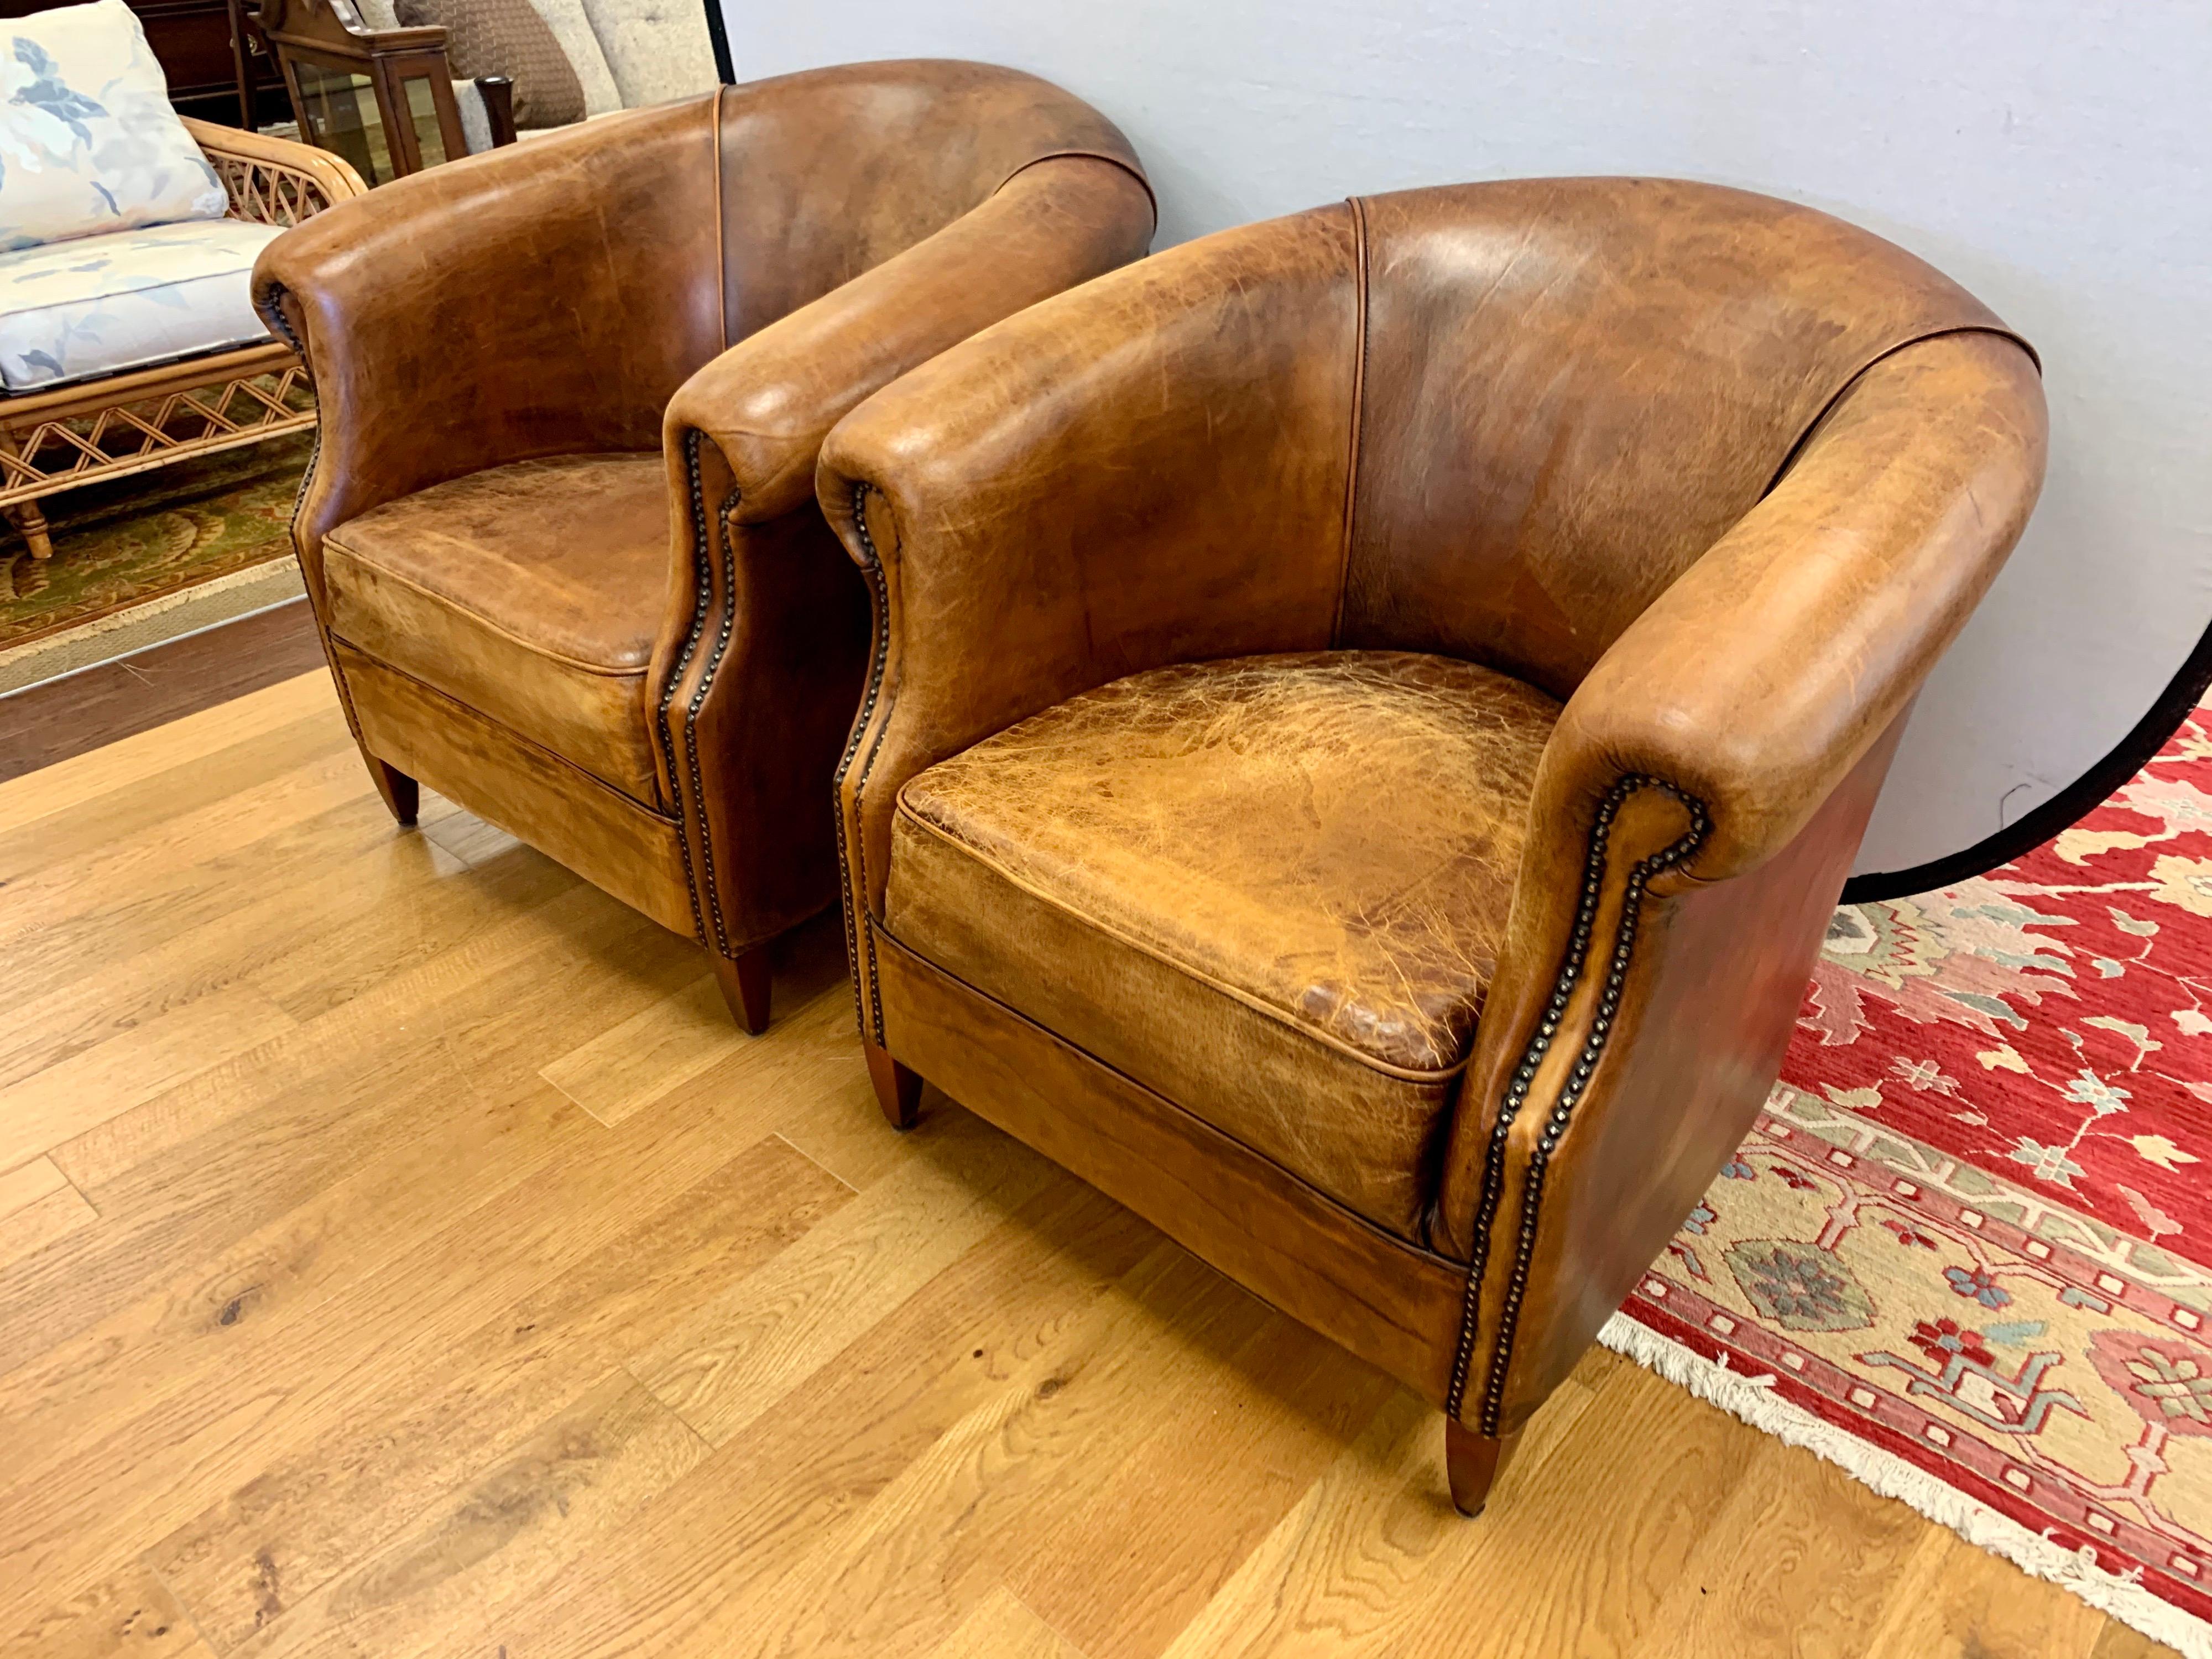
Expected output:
{"points": [[752, 1515], [140, 1438], [2117, 1641], [355, 1038], [304, 1517], [121, 769], [1333, 1575], [1001, 1627], [626, 1068], [1831, 1555], [395, 920], [902, 1573], [497, 1538], [364, 1337], [1127, 1549], [45, 1220], [132, 1615], [736, 1357], [27, 1182], [1375, 1561], [60, 906], [1954, 1602], [66, 1100], [67, 849], [1599, 1574], [390, 1325], [392, 883]]}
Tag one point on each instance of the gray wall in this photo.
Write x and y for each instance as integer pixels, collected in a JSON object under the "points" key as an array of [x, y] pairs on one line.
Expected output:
{"points": [[2054, 156]]}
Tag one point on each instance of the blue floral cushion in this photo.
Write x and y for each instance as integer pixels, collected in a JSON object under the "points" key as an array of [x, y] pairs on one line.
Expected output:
{"points": [[89, 144], [83, 308]]}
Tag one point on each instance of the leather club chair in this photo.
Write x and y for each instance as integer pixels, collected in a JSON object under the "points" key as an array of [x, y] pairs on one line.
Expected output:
{"points": [[560, 536], [1370, 713]]}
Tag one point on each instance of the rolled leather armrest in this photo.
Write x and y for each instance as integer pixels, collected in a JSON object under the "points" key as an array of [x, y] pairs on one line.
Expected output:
{"points": [[1757, 680], [1695, 814], [1147, 470], [767, 402], [545, 299]]}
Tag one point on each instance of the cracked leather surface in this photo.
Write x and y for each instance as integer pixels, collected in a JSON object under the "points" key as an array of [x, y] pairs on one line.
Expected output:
{"points": [[1334, 835], [1319, 848]]}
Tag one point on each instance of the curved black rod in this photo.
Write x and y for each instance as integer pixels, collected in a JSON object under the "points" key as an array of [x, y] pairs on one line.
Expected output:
{"points": [[718, 33], [2069, 806]]}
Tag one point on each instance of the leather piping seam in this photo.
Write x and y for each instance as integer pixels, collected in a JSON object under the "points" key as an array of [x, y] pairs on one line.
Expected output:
{"points": [[867, 996], [1259, 1005], [1524, 1076], [707, 673], [1835, 399], [386, 573], [702, 594], [1365, 1224], [1359, 411], [1143, 183]]}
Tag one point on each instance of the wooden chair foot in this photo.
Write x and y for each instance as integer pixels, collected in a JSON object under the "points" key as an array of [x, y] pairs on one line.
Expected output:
{"points": [[745, 983], [898, 1088], [399, 791], [1472, 1462], [31, 521]]}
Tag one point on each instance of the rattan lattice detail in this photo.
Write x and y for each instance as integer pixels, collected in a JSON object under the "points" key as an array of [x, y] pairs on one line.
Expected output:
{"points": [[266, 192], [150, 431]]}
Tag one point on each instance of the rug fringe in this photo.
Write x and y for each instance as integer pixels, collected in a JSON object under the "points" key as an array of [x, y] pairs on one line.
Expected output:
{"points": [[1753, 1400]]}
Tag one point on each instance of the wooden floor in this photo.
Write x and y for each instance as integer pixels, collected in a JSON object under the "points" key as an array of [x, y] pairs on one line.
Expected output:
{"points": [[401, 1254]]}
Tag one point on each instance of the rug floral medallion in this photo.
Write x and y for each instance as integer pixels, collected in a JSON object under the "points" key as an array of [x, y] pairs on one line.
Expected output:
{"points": [[1972, 1226]]}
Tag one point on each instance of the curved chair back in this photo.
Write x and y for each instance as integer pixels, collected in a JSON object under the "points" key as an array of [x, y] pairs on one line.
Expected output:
{"points": [[1572, 386]]}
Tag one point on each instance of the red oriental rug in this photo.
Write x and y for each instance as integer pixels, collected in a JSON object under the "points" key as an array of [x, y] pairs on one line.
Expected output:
{"points": [[1967, 1253]]}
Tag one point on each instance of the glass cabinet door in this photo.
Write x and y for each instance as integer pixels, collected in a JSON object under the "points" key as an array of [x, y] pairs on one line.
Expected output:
{"points": [[338, 113]]}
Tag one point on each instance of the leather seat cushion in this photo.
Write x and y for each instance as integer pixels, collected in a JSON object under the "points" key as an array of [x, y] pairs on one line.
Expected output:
{"points": [[530, 593], [1272, 889]]}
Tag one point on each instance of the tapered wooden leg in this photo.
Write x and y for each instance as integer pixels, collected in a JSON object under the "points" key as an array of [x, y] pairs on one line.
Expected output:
{"points": [[898, 1088], [745, 983], [1472, 1462], [397, 789]]}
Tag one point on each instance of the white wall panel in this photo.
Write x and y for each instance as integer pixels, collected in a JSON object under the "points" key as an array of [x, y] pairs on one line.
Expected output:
{"points": [[2054, 156]]}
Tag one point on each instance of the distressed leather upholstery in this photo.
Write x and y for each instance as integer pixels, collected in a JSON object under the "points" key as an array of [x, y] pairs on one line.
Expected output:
{"points": [[1184, 873], [481, 588], [1372, 712], [561, 524]]}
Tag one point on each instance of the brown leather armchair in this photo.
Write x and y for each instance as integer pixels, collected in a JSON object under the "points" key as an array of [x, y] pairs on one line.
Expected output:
{"points": [[1370, 715], [561, 537]]}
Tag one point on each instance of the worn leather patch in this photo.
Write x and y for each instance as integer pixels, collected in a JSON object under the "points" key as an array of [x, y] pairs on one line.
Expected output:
{"points": [[1330, 836]]}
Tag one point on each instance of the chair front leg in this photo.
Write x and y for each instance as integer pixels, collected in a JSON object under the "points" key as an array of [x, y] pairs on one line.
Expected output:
{"points": [[400, 792], [1473, 1462], [898, 1088], [746, 982]]}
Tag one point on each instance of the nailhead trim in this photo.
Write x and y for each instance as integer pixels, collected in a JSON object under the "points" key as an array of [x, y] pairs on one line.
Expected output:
{"points": [[702, 596], [858, 932], [698, 700], [275, 318], [1516, 1092]]}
